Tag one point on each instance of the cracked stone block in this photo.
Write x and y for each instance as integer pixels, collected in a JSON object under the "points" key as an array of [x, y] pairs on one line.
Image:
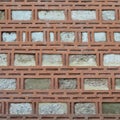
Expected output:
{"points": [[52, 108], [117, 83], [111, 108], [24, 60], [37, 36], [52, 36], [85, 108], [7, 84], [21, 15], [108, 15], [100, 36], [67, 83], [82, 60], [111, 60], [84, 37], [20, 108], [67, 36], [9, 36], [3, 59], [51, 15], [95, 84], [117, 36], [83, 15], [2, 14], [37, 83], [52, 60]]}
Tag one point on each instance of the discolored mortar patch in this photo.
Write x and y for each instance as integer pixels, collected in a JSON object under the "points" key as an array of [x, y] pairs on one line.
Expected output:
{"points": [[37, 83], [2, 14], [82, 60]]}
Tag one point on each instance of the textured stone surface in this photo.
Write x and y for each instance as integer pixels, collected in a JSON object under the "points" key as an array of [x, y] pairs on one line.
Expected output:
{"points": [[21, 15], [108, 15], [117, 36], [20, 108], [52, 36], [37, 36], [7, 84], [3, 59], [37, 83], [9, 36], [111, 60], [82, 60], [117, 83], [51, 15], [52, 108], [83, 15], [24, 36], [24, 60], [84, 37], [85, 108], [2, 15], [100, 36], [51, 60], [67, 36], [67, 83], [111, 108], [95, 84]]}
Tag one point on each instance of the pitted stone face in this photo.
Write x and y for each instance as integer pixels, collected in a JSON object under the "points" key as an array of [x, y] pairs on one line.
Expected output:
{"points": [[100, 37], [84, 37], [37, 36], [3, 60], [108, 15], [2, 14], [117, 36]]}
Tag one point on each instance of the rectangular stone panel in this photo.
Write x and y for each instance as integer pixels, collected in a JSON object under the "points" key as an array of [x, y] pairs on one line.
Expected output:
{"points": [[3, 59], [2, 14]]}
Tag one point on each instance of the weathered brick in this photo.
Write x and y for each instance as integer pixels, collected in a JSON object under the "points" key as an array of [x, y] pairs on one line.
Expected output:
{"points": [[67, 83], [7, 84], [21, 15], [24, 60], [52, 60], [100, 36], [52, 108], [37, 36], [117, 36], [20, 108], [111, 108], [108, 15], [67, 36], [84, 37], [83, 15], [9, 36], [37, 83], [117, 83], [3, 59], [82, 60], [85, 108], [111, 60], [2, 14], [95, 84], [51, 15]]}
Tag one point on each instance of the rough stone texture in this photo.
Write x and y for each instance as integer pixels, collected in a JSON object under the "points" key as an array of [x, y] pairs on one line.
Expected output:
{"points": [[84, 37], [85, 108], [51, 60], [111, 108], [21, 15], [7, 84], [67, 83], [20, 108], [24, 36], [117, 36], [67, 36], [100, 36], [9, 36], [108, 15], [117, 83], [3, 59], [2, 15], [52, 108], [95, 84], [52, 36], [37, 36], [83, 15], [51, 15], [111, 60], [24, 60], [82, 60], [37, 83]]}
